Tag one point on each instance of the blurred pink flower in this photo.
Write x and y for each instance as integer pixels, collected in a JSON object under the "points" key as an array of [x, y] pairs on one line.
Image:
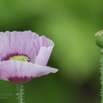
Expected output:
{"points": [[29, 44]]}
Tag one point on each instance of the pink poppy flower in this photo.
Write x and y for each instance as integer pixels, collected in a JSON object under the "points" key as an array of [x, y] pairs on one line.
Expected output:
{"points": [[30, 45]]}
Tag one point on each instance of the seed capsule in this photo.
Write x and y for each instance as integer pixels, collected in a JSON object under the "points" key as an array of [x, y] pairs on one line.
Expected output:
{"points": [[99, 38]]}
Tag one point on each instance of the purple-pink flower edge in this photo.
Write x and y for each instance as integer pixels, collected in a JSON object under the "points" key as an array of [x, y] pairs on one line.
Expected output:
{"points": [[27, 43]]}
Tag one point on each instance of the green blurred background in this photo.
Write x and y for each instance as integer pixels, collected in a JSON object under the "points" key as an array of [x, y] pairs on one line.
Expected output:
{"points": [[71, 25]]}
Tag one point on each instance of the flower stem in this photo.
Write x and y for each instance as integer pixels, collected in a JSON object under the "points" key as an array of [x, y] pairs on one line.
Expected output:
{"points": [[20, 93], [102, 73]]}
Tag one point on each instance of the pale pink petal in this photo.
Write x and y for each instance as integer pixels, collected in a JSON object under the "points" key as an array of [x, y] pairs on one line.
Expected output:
{"points": [[46, 46], [1, 48], [36, 45], [18, 43], [45, 42], [43, 56], [15, 70]]}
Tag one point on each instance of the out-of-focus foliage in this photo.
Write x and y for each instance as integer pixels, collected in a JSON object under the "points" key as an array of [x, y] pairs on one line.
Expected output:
{"points": [[71, 25]]}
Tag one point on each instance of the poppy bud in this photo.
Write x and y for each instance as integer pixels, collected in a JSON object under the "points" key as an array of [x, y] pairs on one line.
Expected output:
{"points": [[99, 38]]}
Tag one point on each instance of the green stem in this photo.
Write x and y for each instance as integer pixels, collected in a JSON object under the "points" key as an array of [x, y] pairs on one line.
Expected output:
{"points": [[20, 93], [102, 73]]}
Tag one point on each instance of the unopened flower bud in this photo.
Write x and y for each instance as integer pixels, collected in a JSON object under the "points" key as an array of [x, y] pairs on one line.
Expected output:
{"points": [[99, 38]]}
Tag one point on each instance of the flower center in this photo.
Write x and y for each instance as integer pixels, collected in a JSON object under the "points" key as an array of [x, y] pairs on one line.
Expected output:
{"points": [[20, 58]]}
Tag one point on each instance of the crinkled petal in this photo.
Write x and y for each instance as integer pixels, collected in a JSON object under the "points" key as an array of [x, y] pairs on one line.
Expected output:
{"points": [[46, 46], [45, 42], [1, 48], [18, 43], [43, 56], [19, 72]]}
